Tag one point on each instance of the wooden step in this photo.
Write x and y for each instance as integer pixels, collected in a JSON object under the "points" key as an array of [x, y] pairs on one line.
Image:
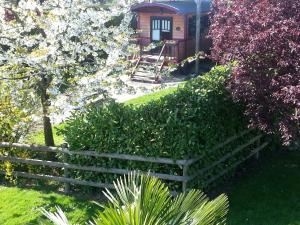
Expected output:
{"points": [[149, 71], [145, 80], [144, 74], [149, 58], [146, 63], [149, 64], [146, 67]]}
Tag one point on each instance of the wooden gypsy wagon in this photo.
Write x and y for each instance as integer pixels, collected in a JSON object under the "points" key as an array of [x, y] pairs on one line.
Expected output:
{"points": [[173, 25]]}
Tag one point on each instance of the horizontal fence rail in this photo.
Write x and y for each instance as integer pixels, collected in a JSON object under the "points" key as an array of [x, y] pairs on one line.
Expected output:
{"points": [[93, 153], [255, 151], [86, 168], [61, 179], [183, 164], [227, 156]]}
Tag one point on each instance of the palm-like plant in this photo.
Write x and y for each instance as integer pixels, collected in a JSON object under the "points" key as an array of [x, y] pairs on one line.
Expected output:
{"points": [[144, 200]]}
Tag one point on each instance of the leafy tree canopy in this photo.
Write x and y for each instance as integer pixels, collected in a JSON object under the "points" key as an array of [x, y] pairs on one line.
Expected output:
{"points": [[262, 36], [14, 122]]}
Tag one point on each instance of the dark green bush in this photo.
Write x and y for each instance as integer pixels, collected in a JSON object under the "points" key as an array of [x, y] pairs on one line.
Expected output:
{"points": [[182, 125]]}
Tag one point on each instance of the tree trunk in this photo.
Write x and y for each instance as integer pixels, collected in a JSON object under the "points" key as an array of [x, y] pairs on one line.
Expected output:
{"points": [[48, 133]]}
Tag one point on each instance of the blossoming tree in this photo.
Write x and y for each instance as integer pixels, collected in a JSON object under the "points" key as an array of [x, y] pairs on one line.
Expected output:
{"points": [[47, 44]]}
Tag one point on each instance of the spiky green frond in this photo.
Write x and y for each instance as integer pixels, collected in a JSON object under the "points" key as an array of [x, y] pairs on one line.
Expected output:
{"points": [[145, 200]]}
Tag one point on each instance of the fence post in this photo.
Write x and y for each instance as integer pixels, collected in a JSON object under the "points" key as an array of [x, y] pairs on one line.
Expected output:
{"points": [[66, 171], [184, 174]]}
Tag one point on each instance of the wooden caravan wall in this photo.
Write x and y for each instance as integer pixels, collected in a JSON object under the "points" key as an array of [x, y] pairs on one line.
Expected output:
{"points": [[178, 21], [190, 47]]}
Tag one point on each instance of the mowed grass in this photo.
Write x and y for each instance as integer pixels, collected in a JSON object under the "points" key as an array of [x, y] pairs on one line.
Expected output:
{"points": [[270, 194], [23, 206], [38, 137], [151, 97]]}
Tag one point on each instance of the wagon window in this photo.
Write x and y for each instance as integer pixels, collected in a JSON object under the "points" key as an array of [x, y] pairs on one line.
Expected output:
{"points": [[166, 26]]}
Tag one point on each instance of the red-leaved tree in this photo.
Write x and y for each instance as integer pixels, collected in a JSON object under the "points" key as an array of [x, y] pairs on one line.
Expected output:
{"points": [[263, 38]]}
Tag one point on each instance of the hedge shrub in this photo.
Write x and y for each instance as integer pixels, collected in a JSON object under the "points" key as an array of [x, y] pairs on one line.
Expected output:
{"points": [[181, 125]]}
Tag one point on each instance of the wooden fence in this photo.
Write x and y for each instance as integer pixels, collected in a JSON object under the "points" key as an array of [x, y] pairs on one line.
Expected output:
{"points": [[183, 164]]}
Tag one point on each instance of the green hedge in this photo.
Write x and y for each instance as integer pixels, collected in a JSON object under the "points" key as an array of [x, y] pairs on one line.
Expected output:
{"points": [[184, 124]]}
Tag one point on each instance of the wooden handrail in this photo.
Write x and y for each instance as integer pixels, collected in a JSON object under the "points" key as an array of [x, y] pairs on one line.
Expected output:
{"points": [[161, 52], [162, 64], [135, 67], [157, 62]]}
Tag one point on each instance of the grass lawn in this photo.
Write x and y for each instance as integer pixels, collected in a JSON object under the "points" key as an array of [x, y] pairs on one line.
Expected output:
{"points": [[22, 206], [268, 195], [151, 97], [37, 138]]}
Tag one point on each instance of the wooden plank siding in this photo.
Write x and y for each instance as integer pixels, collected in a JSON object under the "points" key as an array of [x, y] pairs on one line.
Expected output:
{"points": [[190, 47], [186, 44], [178, 21]]}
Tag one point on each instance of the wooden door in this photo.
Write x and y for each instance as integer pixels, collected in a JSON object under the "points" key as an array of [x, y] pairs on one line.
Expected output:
{"points": [[161, 28]]}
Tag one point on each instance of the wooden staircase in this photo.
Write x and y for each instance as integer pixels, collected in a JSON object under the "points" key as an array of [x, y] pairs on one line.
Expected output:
{"points": [[148, 67]]}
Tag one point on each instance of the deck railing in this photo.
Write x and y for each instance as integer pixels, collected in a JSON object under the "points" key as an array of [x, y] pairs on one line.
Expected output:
{"points": [[174, 49], [183, 164]]}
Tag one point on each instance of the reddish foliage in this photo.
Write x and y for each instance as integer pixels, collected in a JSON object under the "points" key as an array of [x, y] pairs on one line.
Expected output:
{"points": [[8, 15], [263, 36]]}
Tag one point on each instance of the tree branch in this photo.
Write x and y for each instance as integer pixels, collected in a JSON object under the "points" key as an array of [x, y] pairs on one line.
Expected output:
{"points": [[14, 78]]}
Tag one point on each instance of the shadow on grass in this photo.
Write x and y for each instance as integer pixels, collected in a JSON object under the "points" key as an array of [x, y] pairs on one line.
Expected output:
{"points": [[79, 210], [270, 193]]}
